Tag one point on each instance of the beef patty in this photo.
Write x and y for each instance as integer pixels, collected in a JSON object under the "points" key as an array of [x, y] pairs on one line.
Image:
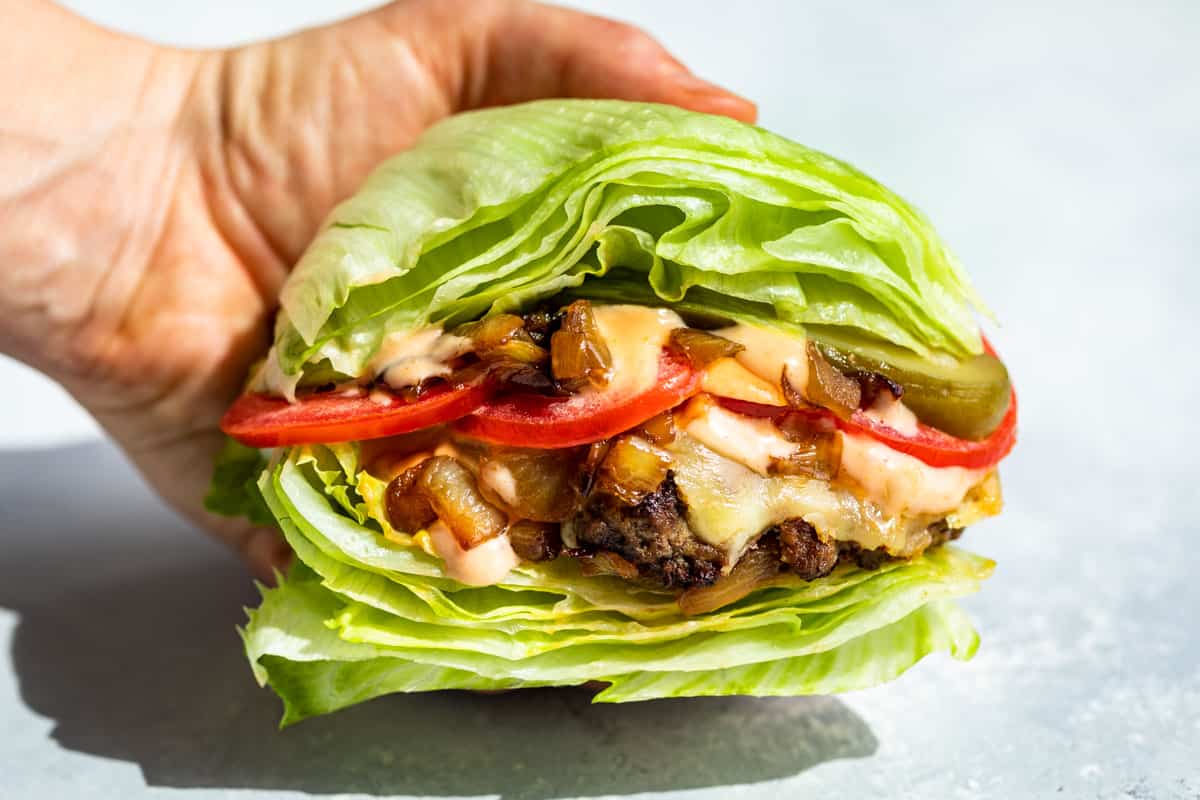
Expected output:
{"points": [[653, 535]]}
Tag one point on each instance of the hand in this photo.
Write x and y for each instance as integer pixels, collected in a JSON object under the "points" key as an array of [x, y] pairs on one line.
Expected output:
{"points": [[154, 199]]}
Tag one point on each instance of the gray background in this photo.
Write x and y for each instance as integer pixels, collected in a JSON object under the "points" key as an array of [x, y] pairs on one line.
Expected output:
{"points": [[1056, 148]]}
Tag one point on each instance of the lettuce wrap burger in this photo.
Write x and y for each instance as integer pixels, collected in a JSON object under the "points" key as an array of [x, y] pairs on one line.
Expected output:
{"points": [[596, 391]]}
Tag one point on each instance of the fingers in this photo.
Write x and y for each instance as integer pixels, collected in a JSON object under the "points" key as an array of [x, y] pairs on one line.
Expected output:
{"points": [[288, 128], [179, 468], [544, 51]]}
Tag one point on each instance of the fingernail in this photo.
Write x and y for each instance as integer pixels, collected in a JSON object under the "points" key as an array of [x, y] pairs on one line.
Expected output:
{"points": [[713, 99]]}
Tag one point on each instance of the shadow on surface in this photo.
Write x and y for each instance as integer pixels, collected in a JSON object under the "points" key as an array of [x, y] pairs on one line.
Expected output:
{"points": [[126, 641]]}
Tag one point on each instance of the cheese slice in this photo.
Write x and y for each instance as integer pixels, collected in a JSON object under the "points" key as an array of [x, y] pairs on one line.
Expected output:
{"points": [[726, 377], [729, 505]]}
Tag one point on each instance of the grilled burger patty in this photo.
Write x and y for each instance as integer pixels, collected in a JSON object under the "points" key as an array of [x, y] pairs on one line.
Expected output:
{"points": [[654, 537]]}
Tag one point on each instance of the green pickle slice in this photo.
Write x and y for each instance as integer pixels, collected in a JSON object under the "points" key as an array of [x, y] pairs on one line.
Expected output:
{"points": [[965, 398]]}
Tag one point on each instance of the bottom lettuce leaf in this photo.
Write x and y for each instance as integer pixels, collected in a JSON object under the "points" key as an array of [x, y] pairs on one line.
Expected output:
{"points": [[315, 672], [363, 614]]}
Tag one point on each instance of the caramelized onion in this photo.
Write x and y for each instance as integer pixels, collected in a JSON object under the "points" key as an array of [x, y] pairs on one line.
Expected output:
{"points": [[659, 430], [502, 337], [491, 331], [519, 376], [756, 567], [506, 372], [596, 454], [701, 347], [454, 497], [579, 356], [535, 541], [519, 349], [791, 394], [873, 384], [818, 452], [407, 508], [830, 388], [607, 563], [541, 325], [539, 485], [632, 469]]}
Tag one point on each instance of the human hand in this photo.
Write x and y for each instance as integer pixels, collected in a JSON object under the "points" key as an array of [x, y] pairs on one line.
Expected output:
{"points": [[154, 199]]}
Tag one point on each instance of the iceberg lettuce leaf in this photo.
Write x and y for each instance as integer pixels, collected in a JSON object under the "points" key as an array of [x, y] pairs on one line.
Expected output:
{"points": [[314, 671], [366, 612], [504, 207], [233, 490]]}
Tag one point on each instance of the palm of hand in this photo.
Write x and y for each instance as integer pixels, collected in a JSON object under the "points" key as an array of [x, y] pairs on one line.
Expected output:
{"points": [[268, 138]]}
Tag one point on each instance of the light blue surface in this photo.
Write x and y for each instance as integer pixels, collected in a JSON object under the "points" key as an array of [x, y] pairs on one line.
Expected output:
{"points": [[1058, 150]]}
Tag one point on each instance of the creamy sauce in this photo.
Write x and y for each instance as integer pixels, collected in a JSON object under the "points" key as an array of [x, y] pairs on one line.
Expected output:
{"points": [[754, 443], [769, 352], [722, 460], [380, 398], [271, 379], [406, 358], [898, 482], [635, 336], [726, 377], [482, 565], [894, 414], [499, 478]]}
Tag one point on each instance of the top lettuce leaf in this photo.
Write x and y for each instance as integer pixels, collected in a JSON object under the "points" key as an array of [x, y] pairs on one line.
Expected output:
{"points": [[497, 209]]}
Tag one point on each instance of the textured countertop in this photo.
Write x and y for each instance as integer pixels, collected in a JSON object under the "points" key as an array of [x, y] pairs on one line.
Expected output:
{"points": [[1058, 150]]}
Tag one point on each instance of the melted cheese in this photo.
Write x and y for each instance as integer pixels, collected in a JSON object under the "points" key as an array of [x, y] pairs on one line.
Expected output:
{"points": [[482, 565], [729, 505], [897, 483], [769, 352], [635, 336], [726, 377]]}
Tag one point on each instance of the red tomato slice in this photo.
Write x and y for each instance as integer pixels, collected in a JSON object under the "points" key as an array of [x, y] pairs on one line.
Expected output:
{"points": [[934, 447], [528, 420], [939, 449], [261, 420]]}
